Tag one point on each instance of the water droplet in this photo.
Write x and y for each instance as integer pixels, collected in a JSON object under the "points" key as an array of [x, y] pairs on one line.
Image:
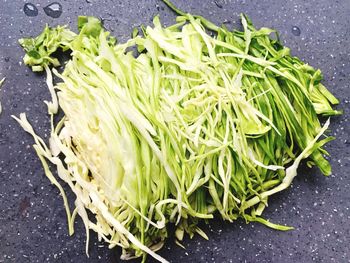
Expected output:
{"points": [[30, 9], [219, 3], [53, 10], [296, 31]]}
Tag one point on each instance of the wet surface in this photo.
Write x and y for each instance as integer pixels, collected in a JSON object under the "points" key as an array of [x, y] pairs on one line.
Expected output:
{"points": [[24, 205], [53, 10], [33, 224], [296, 31], [30, 9]]}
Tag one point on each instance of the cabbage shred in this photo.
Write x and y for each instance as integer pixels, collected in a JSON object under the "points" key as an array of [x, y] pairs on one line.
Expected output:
{"points": [[194, 125], [1, 82]]}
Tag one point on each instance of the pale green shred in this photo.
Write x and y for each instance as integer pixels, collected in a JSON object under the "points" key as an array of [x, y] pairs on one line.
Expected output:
{"points": [[1, 82], [194, 126]]}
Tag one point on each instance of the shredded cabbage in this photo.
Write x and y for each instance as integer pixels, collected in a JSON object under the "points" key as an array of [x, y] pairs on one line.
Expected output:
{"points": [[1, 82], [193, 126]]}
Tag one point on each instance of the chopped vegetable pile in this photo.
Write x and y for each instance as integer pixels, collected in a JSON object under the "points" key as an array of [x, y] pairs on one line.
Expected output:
{"points": [[180, 123]]}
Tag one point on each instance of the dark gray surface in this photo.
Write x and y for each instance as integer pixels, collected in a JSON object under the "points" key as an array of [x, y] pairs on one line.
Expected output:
{"points": [[32, 219]]}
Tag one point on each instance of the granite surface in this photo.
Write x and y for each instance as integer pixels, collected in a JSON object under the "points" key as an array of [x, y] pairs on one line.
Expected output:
{"points": [[33, 224]]}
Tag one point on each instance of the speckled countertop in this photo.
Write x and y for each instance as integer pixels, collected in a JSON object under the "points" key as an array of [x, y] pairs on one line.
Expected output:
{"points": [[32, 219]]}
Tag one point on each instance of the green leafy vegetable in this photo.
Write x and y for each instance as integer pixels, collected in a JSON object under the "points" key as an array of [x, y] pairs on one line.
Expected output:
{"points": [[193, 127], [39, 49], [1, 82]]}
